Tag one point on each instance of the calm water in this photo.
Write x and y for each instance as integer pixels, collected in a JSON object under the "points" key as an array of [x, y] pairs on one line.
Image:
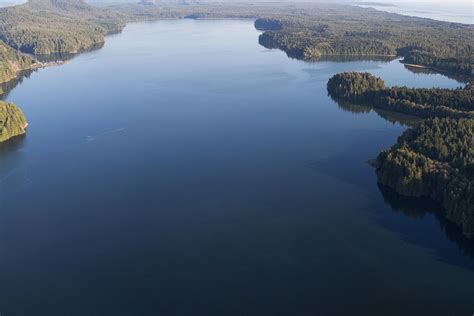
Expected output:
{"points": [[183, 169]]}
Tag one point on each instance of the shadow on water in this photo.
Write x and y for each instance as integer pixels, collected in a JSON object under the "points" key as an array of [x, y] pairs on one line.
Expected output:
{"points": [[418, 208], [298, 54], [62, 57], [423, 231], [13, 177], [428, 71], [8, 86], [392, 117], [12, 144]]}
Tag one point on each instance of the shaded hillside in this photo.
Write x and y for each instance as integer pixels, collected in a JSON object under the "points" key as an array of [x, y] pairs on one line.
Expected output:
{"points": [[12, 121], [11, 63], [56, 26]]}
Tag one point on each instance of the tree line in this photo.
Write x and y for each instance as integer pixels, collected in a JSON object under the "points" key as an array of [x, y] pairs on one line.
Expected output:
{"points": [[12, 121], [425, 103], [433, 159], [439, 45]]}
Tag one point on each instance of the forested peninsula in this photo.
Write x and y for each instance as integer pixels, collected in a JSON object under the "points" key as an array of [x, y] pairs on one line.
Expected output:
{"points": [[433, 159], [365, 88], [308, 31], [12, 62], [441, 46], [44, 27]]}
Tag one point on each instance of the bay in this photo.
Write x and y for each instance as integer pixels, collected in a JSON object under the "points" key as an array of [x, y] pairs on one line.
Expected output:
{"points": [[184, 169]]}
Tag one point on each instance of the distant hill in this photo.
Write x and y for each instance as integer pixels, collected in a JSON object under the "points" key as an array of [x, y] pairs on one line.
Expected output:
{"points": [[60, 4], [56, 26]]}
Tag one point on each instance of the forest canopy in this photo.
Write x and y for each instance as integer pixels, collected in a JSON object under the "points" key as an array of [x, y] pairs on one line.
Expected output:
{"points": [[12, 62], [435, 159], [12, 121], [307, 31], [439, 45], [45, 27], [422, 102]]}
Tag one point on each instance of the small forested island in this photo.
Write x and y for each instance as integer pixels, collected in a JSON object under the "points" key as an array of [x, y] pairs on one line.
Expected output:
{"points": [[12, 121], [433, 159]]}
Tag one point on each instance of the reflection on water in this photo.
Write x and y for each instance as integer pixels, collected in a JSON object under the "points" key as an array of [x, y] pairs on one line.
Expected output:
{"points": [[62, 57], [429, 71], [393, 117], [297, 54], [12, 177], [415, 207], [419, 208], [12, 144], [8, 86]]}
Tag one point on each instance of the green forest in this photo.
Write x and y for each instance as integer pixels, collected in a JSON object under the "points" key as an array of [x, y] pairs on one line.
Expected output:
{"points": [[43, 27], [445, 47], [11, 62], [433, 159], [12, 121], [434, 102], [308, 31]]}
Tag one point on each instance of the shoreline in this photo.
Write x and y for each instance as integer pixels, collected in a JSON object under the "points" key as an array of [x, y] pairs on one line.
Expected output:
{"points": [[415, 65], [458, 77], [35, 66]]}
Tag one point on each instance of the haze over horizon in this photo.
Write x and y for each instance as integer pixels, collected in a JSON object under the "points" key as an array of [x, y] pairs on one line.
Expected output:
{"points": [[458, 11], [394, 2]]}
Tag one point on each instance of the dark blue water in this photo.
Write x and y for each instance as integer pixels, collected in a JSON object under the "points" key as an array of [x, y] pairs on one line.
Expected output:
{"points": [[183, 169]]}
